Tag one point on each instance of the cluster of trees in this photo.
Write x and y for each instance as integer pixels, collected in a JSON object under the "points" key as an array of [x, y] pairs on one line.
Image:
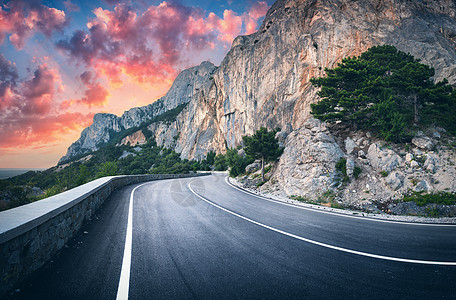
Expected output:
{"points": [[386, 91], [231, 160], [261, 145]]}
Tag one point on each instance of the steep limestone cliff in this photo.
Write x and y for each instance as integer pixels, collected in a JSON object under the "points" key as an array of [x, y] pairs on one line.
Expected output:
{"points": [[264, 79]]}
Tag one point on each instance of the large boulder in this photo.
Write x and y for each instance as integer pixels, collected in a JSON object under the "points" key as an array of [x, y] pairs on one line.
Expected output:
{"points": [[423, 142], [350, 145], [395, 180], [383, 159], [256, 165], [430, 163], [421, 186], [307, 165]]}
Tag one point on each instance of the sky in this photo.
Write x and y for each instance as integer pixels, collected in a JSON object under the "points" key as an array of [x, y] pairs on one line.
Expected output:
{"points": [[63, 61]]}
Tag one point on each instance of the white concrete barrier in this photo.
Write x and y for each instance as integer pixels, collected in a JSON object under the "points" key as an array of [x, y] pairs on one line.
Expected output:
{"points": [[31, 234]]}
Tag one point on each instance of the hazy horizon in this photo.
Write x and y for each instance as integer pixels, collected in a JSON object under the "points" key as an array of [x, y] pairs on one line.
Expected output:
{"points": [[6, 173]]}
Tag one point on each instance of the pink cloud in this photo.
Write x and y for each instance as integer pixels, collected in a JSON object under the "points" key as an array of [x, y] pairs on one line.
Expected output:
{"points": [[33, 96], [8, 77], [258, 10], [29, 109], [150, 47], [229, 27], [146, 47], [20, 19], [37, 94]]}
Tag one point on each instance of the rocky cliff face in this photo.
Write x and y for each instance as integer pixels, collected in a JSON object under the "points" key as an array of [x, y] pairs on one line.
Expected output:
{"points": [[264, 79], [187, 84]]}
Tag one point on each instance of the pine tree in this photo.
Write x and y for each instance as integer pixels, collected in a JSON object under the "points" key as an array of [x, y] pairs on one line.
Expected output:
{"points": [[263, 145], [384, 90]]}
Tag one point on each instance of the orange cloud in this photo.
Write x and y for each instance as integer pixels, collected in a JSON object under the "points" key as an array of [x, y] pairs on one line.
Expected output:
{"points": [[95, 94], [26, 131]]}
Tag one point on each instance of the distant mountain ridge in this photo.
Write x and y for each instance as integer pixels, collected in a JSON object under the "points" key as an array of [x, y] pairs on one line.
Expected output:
{"points": [[105, 126], [264, 78]]}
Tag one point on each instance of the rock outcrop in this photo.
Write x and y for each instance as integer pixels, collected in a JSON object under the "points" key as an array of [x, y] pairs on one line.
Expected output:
{"points": [[136, 138], [307, 165], [103, 128], [307, 169]]}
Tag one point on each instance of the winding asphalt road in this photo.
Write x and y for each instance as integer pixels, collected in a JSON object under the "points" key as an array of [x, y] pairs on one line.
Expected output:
{"points": [[201, 238]]}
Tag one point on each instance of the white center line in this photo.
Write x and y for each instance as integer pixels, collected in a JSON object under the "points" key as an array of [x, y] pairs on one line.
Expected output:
{"points": [[426, 262], [124, 282]]}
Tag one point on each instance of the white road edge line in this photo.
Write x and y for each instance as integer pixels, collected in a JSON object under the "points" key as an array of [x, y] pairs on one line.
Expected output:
{"points": [[334, 213], [426, 262], [124, 282]]}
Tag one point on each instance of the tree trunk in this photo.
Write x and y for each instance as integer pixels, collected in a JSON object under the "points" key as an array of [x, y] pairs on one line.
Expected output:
{"points": [[262, 169], [415, 105]]}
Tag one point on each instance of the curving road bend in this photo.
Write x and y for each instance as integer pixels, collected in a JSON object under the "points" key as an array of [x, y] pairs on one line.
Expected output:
{"points": [[202, 238]]}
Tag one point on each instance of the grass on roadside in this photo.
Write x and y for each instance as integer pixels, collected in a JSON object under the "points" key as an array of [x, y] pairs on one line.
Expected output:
{"points": [[436, 198]]}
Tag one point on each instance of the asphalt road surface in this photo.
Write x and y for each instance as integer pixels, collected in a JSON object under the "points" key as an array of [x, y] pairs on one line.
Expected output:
{"points": [[201, 238]]}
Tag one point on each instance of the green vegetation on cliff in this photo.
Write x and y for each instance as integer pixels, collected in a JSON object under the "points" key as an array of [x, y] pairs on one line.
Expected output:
{"points": [[444, 198], [166, 117], [386, 91], [111, 160]]}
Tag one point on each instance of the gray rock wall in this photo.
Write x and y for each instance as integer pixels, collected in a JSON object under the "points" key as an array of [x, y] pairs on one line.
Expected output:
{"points": [[307, 166]]}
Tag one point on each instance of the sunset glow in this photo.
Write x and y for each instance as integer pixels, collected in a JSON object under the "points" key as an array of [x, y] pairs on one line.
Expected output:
{"points": [[61, 64]]}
